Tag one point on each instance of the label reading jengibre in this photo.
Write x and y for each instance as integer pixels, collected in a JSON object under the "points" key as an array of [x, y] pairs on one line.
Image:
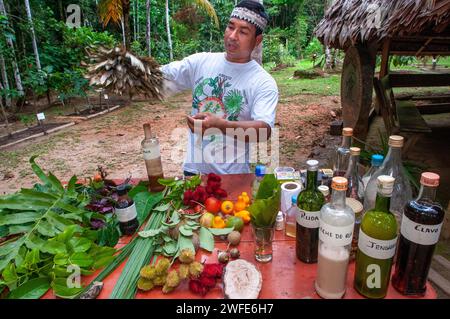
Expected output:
{"points": [[418, 233], [376, 248]]}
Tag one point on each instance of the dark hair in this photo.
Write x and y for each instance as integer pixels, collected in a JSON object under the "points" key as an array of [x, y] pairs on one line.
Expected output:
{"points": [[256, 7]]}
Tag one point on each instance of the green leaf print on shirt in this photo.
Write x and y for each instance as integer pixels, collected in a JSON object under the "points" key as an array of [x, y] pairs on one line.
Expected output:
{"points": [[225, 104]]}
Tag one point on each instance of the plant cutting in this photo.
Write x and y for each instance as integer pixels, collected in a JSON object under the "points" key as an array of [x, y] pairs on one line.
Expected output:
{"points": [[265, 207]]}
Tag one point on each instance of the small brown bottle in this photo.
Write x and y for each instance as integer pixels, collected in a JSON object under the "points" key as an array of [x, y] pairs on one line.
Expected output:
{"points": [[152, 157], [125, 210]]}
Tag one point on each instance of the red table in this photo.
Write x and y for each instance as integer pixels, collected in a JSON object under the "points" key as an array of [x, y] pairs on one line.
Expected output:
{"points": [[284, 277]]}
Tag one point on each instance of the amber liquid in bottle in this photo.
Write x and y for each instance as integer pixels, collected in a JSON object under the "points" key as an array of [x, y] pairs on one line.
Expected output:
{"points": [[152, 157]]}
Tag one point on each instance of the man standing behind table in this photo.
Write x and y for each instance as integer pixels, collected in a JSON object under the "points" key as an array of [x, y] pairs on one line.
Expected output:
{"points": [[229, 91]]}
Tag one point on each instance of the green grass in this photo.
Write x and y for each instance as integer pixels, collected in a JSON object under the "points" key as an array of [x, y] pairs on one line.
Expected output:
{"points": [[289, 86]]}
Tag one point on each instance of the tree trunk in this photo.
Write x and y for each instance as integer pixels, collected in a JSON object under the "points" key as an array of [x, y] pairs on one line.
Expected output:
{"points": [[134, 21], [10, 43], [5, 80], [126, 22], [169, 36], [148, 30], [5, 115], [138, 29], [61, 11], [258, 51], [328, 57], [33, 35]]}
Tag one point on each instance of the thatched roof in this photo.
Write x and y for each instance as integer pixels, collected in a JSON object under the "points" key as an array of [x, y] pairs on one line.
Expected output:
{"points": [[350, 22]]}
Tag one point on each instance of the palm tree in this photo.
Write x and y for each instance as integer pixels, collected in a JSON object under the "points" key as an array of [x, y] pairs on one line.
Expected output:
{"points": [[10, 43], [117, 11], [33, 35], [148, 28]]}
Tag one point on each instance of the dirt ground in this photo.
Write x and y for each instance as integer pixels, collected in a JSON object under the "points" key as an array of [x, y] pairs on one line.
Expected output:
{"points": [[113, 140]]}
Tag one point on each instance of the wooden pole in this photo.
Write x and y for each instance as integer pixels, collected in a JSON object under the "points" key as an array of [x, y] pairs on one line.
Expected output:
{"points": [[384, 70]]}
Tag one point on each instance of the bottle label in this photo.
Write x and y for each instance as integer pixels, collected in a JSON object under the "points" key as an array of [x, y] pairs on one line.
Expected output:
{"points": [[308, 219], [336, 235], [376, 248], [126, 214], [151, 153], [418, 233]]}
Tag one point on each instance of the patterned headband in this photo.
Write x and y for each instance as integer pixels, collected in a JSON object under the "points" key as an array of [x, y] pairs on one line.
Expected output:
{"points": [[249, 16]]}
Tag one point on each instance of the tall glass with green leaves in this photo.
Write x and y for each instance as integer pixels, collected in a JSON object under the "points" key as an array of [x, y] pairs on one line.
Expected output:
{"points": [[376, 244], [309, 202]]}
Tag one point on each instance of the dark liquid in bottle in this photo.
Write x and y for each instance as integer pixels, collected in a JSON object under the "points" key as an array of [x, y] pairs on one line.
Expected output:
{"points": [[153, 185], [414, 260], [307, 244], [129, 227]]}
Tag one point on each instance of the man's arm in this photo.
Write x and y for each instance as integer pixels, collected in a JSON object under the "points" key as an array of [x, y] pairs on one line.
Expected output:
{"points": [[250, 131]]}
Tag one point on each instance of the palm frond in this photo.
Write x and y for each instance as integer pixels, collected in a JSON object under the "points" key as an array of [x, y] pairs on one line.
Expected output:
{"points": [[209, 9], [110, 10]]}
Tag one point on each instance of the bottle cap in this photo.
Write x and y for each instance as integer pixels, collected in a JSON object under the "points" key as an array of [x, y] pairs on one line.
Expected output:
{"points": [[280, 216], [260, 170], [122, 189], [429, 179], [354, 204], [294, 199], [355, 151], [313, 165], [396, 141], [385, 184], [339, 183], [347, 131], [377, 160], [324, 189]]}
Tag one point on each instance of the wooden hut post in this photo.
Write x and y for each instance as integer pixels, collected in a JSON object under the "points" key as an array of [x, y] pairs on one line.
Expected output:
{"points": [[356, 88]]}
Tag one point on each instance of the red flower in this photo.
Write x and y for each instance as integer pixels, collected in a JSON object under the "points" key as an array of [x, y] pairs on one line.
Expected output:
{"points": [[214, 177], [196, 287], [213, 270], [206, 281]]}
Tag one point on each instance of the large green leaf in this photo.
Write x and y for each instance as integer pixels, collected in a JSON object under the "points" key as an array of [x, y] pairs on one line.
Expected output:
{"points": [[145, 202], [220, 231], [80, 244], [61, 289], [19, 218], [206, 239], [32, 289], [20, 202], [9, 275], [81, 259]]}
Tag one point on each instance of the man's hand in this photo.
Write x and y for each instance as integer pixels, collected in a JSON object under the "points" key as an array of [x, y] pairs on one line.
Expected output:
{"points": [[206, 121]]}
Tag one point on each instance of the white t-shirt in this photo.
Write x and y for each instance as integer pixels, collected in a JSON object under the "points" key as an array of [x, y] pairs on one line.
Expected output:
{"points": [[234, 91]]}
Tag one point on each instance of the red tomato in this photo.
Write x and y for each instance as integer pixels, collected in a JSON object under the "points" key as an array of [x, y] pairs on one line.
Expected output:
{"points": [[212, 205]]}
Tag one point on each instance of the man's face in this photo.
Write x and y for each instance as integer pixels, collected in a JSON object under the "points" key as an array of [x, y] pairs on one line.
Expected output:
{"points": [[240, 40]]}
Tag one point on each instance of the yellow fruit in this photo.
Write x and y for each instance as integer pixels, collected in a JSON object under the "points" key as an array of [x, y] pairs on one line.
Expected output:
{"points": [[227, 207], [240, 204]]}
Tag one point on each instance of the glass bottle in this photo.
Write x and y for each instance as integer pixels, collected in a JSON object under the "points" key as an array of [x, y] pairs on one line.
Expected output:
{"points": [[420, 230], [335, 237], [376, 162], [354, 194], [260, 171], [291, 218], [125, 210], [325, 190], [376, 245], [392, 166], [342, 156], [152, 158], [309, 202]]}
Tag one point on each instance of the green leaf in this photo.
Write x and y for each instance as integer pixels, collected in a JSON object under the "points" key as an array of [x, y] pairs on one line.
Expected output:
{"points": [[57, 221], [109, 235], [54, 247], [9, 275], [38, 171], [61, 259], [267, 187], [150, 233], [34, 194], [45, 229], [32, 289], [206, 239], [185, 231], [72, 184], [19, 218], [196, 216], [81, 259], [170, 248], [162, 208], [61, 289], [175, 218], [32, 258], [20, 229], [69, 208], [220, 231], [5, 249], [34, 241], [145, 202], [185, 243], [167, 182], [136, 190], [80, 244], [4, 231]]}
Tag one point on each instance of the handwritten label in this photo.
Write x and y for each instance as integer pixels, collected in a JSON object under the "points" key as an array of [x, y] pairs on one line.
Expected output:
{"points": [[336, 235], [308, 219], [126, 214], [375, 248], [418, 233]]}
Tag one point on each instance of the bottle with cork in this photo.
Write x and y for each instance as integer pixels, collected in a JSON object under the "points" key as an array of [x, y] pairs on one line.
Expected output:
{"points": [[152, 158], [342, 156]]}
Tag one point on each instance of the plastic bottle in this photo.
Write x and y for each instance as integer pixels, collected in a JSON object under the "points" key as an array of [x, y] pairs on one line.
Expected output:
{"points": [[260, 171], [376, 162], [291, 218]]}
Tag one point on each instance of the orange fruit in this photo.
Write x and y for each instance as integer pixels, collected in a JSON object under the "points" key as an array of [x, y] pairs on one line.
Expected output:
{"points": [[227, 207]]}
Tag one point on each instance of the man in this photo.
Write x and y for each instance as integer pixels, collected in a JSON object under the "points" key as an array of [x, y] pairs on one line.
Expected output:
{"points": [[230, 91]]}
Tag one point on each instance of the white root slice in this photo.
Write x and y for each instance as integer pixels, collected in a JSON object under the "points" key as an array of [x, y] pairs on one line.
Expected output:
{"points": [[242, 280]]}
